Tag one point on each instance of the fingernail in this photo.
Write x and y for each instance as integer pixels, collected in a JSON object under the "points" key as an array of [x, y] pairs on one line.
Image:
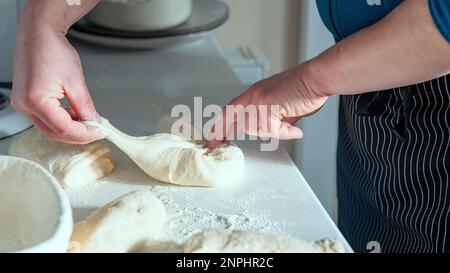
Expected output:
{"points": [[96, 131], [91, 117]]}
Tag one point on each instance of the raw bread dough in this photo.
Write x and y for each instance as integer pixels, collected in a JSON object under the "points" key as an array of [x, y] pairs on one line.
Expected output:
{"points": [[121, 226], [155, 246], [226, 241], [179, 127], [174, 159], [72, 165]]}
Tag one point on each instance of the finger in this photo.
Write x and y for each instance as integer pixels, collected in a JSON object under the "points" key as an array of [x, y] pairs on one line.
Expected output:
{"points": [[72, 113], [62, 125], [282, 127], [81, 102], [287, 131], [261, 125], [291, 120], [47, 131], [283, 131], [39, 124], [223, 128], [277, 129], [254, 124], [217, 136]]}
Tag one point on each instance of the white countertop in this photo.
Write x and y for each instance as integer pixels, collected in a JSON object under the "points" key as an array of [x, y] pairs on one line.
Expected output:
{"points": [[134, 89]]}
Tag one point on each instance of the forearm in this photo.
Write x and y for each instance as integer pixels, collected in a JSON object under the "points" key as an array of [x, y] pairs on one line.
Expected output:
{"points": [[402, 49], [58, 15]]}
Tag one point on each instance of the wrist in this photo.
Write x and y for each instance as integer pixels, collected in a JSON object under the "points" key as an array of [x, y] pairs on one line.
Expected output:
{"points": [[314, 79], [30, 32], [43, 16], [54, 15]]}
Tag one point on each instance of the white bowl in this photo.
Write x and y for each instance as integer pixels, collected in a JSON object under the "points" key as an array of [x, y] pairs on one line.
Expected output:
{"points": [[35, 213], [140, 15]]}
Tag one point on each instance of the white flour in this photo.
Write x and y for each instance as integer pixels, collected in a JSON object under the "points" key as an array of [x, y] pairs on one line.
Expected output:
{"points": [[186, 219], [77, 196], [189, 210]]}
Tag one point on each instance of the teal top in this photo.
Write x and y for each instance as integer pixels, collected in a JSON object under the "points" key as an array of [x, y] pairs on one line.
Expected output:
{"points": [[440, 10], [344, 18]]}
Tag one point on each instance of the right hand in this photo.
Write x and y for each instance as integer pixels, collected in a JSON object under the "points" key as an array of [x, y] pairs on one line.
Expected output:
{"points": [[47, 69], [296, 96]]}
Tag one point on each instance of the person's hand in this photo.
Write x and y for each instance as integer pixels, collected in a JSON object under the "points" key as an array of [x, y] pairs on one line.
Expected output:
{"points": [[47, 69], [289, 91]]}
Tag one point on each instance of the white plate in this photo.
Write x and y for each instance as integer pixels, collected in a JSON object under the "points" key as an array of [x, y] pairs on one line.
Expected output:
{"points": [[144, 43], [208, 17]]}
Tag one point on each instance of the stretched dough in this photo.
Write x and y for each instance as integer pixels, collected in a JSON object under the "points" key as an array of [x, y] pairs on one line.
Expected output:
{"points": [[177, 160], [122, 225], [72, 165], [180, 127], [226, 241]]}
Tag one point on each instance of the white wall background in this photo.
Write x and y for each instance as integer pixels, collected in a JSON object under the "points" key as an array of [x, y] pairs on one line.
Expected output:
{"points": [[268, 26]]}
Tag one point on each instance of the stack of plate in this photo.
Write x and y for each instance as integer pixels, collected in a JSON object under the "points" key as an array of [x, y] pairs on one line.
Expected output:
{"points": [[207, 17]]}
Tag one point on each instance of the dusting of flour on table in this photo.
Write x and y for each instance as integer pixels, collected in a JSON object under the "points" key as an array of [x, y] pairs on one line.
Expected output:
{"points": [[185, 219], [76, 196], [189, 210]]}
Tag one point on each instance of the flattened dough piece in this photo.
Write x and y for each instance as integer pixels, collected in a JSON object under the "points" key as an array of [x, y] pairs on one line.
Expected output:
{"points": [[72, 165], [227, 241], [122, 225], [177, 160]]}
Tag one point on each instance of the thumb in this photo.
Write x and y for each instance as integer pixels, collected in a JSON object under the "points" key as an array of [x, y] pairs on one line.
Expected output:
{"points": [[291, 120], [81, 102], [288, 131], [281, 130]]}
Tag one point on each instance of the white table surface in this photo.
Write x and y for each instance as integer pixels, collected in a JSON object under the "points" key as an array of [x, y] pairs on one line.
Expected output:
{"points": [[134, 89]]}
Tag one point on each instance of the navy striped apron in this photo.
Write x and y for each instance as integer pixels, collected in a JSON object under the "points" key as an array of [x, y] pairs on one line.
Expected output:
{"points": [[393, 168]]}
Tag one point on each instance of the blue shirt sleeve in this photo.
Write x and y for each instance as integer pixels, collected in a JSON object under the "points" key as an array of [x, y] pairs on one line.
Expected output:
{"points": [[440, 11]]}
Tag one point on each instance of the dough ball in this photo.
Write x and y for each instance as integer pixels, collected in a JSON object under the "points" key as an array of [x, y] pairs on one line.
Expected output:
{"points": [[177, 160], [172, 159], [121, 226], [183, 162], [160, 247], [72, 165], [226, 241]]}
